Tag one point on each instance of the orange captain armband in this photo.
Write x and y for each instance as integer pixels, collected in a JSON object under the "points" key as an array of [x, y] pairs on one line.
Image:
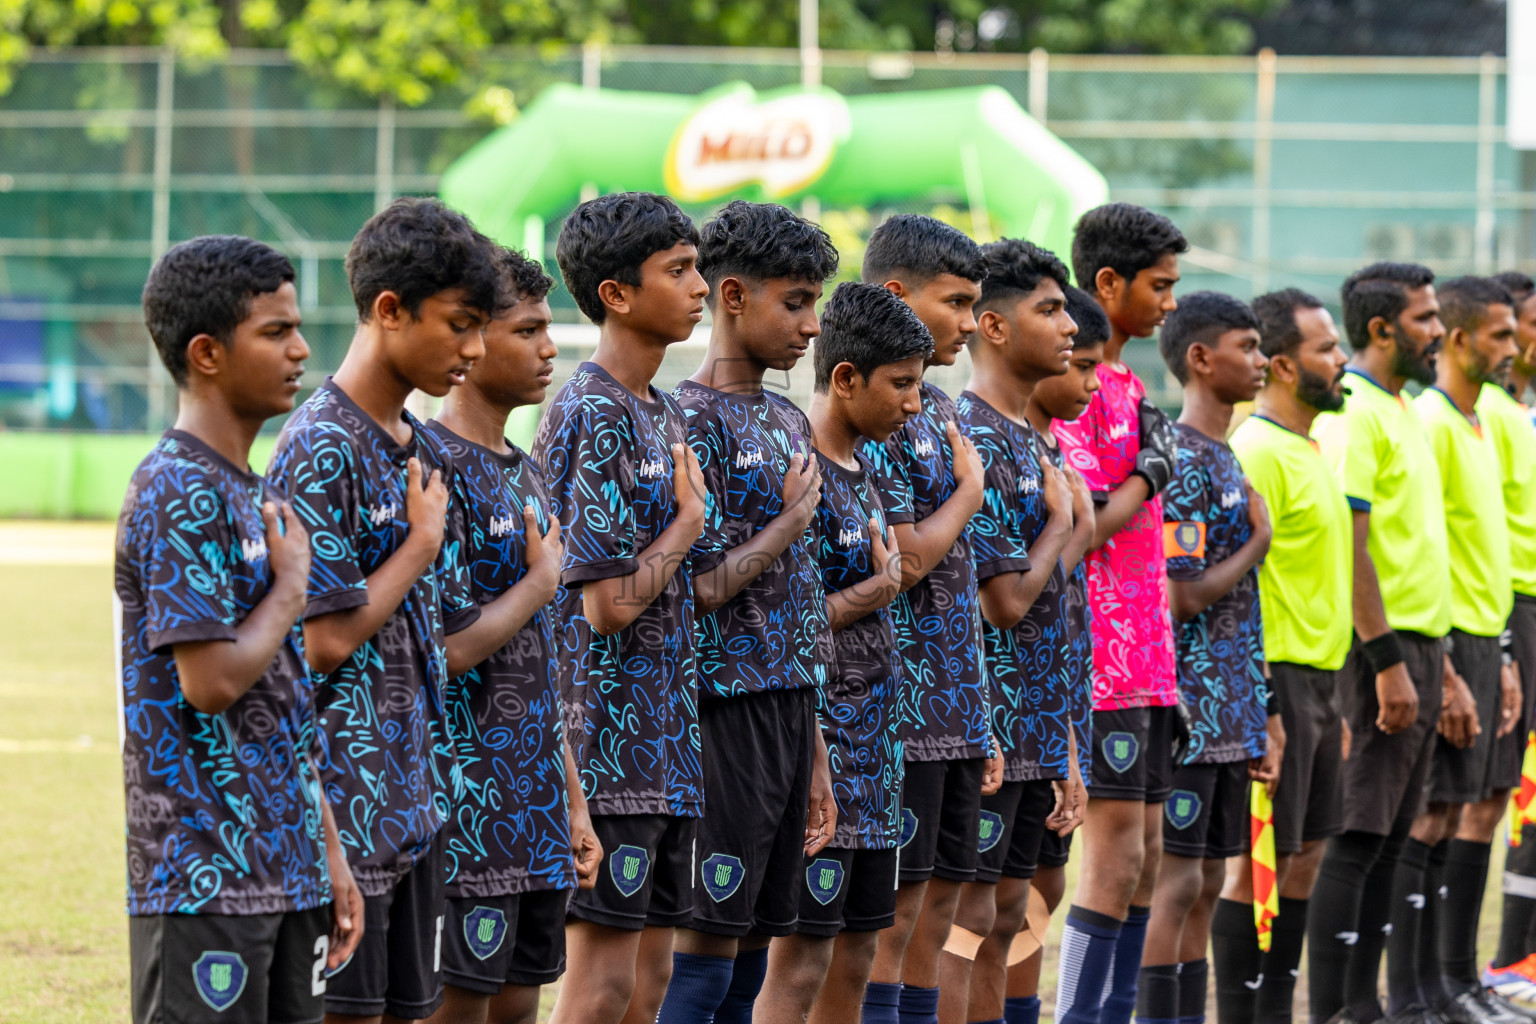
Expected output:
{"points": [[1184, 540]]}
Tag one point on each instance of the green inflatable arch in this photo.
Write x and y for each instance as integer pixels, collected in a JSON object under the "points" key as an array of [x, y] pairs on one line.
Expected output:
{"points": [[976, 146]]}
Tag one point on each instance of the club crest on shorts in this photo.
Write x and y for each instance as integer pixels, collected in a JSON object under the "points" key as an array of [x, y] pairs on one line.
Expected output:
{"points": [[722, 875], [1182, 808], [628, 866], [1120, 750], [908, 827], [989, 830], [220, 978], [484, 930], [824, 878]]}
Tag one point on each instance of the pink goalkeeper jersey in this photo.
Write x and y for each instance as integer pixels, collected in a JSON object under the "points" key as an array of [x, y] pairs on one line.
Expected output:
{"points": [[1127, 577]]}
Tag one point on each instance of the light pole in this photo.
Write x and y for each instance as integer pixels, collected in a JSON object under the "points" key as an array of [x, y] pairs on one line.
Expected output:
{"points": [[810, 47]]}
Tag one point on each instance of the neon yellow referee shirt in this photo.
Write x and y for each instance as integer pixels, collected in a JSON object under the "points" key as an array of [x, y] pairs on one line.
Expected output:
{"points": [[1514, 438]]}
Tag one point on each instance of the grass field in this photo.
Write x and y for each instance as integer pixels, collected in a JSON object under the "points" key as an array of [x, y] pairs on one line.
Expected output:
{"points": [[63, 933]]}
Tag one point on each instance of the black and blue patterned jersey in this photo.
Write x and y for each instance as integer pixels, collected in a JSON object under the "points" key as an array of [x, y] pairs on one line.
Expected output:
{"points": [[386, 757], [1030, 665], [223, 810], [859, 706], [631, 699], [1221, 650], [766, 637], [938, 621], [1079, 635], [510, 832]]}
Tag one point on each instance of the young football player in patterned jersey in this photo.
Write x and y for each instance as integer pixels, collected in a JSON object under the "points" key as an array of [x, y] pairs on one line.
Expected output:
{"points": [[1127, 258], [239, 894], [631, 503], [1216, 533], [761, 612], [869, 362], [1304, 594], [1399, 676], [512, 835], [1064, 397], [1026, 542], [1469, 784], [368, 482], [1504, 415], [929, 478]]}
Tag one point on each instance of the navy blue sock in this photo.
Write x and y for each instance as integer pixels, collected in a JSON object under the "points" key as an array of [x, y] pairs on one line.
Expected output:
{"points": [[697, 986], [1022, 1010], [1121, 1000], [1087, 948], [1194, 979], [919, 1005], [746, 983], [881, 999]]}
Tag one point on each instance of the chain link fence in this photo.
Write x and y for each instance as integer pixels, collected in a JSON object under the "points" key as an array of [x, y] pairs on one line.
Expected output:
{"points": [[1282, 171]]}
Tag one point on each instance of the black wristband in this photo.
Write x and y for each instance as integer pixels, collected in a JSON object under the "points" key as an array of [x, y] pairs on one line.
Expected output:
{"points": [[1383, 652]]}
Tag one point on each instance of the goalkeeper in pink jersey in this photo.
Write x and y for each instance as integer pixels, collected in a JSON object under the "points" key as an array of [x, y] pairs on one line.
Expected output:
{"points": [[1127, 258]]}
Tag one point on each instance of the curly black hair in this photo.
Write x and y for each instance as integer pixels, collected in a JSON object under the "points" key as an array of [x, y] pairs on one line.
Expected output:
{"points": [[867, 326], [1379, 290], [608, 238], [1014, 269], [417, 248], [1201, 319], [1123, 237], [922, 248], [761, 242], [1085, 311], [523, 279], [205, 286]]}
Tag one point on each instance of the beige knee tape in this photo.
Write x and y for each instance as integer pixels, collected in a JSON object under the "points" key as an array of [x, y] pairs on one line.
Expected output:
{"points": [[1036, 921], [962, 942]]}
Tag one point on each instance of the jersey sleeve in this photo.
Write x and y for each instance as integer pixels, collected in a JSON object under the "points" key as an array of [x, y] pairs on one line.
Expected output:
{"points": [[590, 464], [707, 439], [320, 473], [1186, 515], [1081, 441], [997, 535], [184, 568], [1358, 462], [460, 607], [892, 479]]}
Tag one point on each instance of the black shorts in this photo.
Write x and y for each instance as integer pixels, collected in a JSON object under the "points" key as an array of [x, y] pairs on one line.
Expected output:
{"points": [[1466, 775], [1055, 850], [1385, 776], [250, 970], [505, 940], [848, 891], [1132, 754], [1309, 802], [757, 751], [645, 876], [1206, 815], [1011, 830], [940, 805], [1511, 753], [398, 966]]}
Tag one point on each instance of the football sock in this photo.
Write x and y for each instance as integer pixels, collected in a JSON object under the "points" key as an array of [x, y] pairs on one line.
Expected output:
{"points": [[1157, 994], [1407, 918], [1193, 978], [1519, 917], [1022, 1010], [1120, 1001], [697, 986], [1235, 956], [881, 1002], [1281, 964], [746, 982], [1333, 918], [1362, 980], [1431, 992], [919, 1005], [1087, 947], [1466, 876]]}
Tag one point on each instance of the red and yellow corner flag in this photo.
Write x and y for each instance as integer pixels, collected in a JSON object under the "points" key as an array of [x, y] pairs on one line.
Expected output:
{"points": [[1266, 895], [1522, 802]]}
